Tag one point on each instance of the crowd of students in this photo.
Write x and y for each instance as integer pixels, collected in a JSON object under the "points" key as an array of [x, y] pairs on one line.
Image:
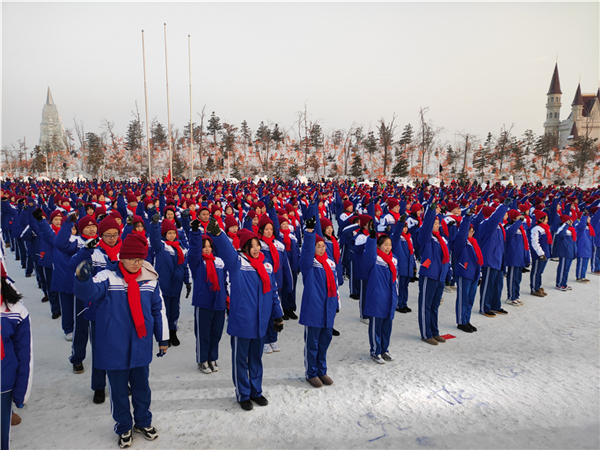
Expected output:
{"points": [[112, 260]]}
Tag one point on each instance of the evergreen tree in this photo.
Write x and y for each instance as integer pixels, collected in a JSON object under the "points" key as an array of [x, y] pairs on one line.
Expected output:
{"points": [[356, 170], [407, 135], [235, 172], [246, 133], [583, 151], [134, 136], [401, 167], [210, 165], [293, 171], [481, 157], [38, 160], [543, 149], [158, 134], [95, 153], [277, 136], [213, 128], [370, 144], [316, 136], [179, 165]]}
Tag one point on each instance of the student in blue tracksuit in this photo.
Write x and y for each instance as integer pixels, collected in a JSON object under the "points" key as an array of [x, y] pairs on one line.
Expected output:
{"points": [[17, 356], [565, 249], [209, 298], [292, 249], [541, 241], [467, 260], [435, 263], [253, 301], [403, 250], [381, 299], [358, 267], [585, 245], [595, 224], [516, 257], [170, 250], [129, 310], [320, 301], [490, 235]]}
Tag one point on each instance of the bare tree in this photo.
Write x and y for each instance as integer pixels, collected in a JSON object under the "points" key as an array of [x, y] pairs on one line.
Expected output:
{"points": [[427, 135], [200, 144], [466, 144], [80, 132], [386, 138]]}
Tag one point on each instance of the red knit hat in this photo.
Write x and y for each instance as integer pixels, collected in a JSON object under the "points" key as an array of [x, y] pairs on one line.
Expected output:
{"points": [[108, 223], [513, 214], [415, 207], [392, 202], [564, 218], [245, 235], [364, 219], [167, 225], [84, 222], [283, 220], [325, 222], [264, 220], [488, 211], [319, 239], [137, 219], [134, 246], [115, 214], [452, 206], [230, 222], [131, 198], [539, 215], [347, 204], [56, 212], [100, 211]]}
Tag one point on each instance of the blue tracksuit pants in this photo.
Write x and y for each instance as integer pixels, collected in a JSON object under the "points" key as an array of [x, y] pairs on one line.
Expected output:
{"points": [[98, 375], [271, 335], [52, 295], [316, 343], [247, 369], [430, 294], [22, 252], [67, 311], [119, 381], [535, 276], [581, 267], [83, 329], [466, 290], [172, 310], [208, 328], [380, 332], [595, 259], [403, 291], [361, 301], [562, 271], [6, 414], [513, 282], [354, 282], [288, 299], [490, 289]]}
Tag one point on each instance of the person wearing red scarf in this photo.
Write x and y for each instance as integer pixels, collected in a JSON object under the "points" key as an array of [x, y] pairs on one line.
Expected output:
{"points": [[292, 250], [403, 249], [320, 301], [209, 300], [253, 301], [585, 244], [517, 256], [565, 248], [231, 229], [129, 310], [381, 299], [541, 241]]}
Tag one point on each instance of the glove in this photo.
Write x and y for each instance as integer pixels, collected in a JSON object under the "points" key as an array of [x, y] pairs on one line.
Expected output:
{"points": [[100, 217], [433, 206], [195, 225], [155, 218], [451, 222], [278, 325], [270, 204], [469, 212], [402, 218], [177, 223], [79, 203], [508, 201], [310, 223], [91, 243], [213, 227], [19, 405], [38, 215], [73, 215], [543, 258], [129, 220], [84, 270], [188, 289], [185, 213], [248, 219], [372, 231]]}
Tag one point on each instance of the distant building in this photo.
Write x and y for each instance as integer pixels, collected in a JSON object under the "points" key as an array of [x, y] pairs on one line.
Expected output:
{"points": [[583, 120], [52, 131]]}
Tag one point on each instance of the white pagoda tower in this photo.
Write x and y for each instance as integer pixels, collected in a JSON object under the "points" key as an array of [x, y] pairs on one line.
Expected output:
{"points": [[52, 126]]}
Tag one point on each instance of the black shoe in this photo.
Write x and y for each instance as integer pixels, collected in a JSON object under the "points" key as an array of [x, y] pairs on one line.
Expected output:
{"points": [[173, 338], [99, 396], [260, 401], [285, 315], [45, 299], [56, 316], [246, 405], [465, 328], [407, 309], [472, 327], [292, 315], [149, 433], [355, 296], [17, 259], [525, 270], [500, 312], [403, 310], [335, 332], [28, 275], [78, 368]]}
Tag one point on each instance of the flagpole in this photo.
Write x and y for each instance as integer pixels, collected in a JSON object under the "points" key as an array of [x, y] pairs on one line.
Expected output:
{"points": [[146, 104], [191, 122], [168, 111]]}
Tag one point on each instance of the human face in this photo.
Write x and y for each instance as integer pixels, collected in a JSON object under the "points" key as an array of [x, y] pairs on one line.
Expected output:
{"points": [[133, 204], [171, 235], [505, 216], [255, 221], [471, 232], [436, 226], [139, 226], [132, 265], [206, 247], [268, 230], [57, 221], [405, 229], [320, 248], [169, 215], [110, 237], [284, 226], [254, 248], [228, 210], [328, 230], [89, 211], [455, 212], [119, 221], [396, 209], [234, 229], [90, 230], [204, 216], [101, 198], [386, 246], [350, 208]]}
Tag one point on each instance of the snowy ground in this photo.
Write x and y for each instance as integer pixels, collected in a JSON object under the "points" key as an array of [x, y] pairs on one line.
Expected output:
{"points": [[526, 380]]}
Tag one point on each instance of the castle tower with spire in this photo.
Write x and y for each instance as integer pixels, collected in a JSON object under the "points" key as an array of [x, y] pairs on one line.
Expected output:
{"points": [[52, 132], [584, 119]]}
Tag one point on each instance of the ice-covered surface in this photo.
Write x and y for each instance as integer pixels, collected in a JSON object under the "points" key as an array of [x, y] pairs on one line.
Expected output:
{"points": [[526, 380]]}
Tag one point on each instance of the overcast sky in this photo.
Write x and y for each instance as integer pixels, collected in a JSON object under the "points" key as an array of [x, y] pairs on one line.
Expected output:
{"points": [[477, 66]]}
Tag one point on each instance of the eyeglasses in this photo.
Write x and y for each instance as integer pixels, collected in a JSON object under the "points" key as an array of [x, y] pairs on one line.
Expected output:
{"points": [[110, 236], [136, 261]]}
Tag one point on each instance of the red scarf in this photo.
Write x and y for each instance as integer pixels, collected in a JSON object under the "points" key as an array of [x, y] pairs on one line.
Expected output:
{"points": [[395, 215], [408, 242], [336, 248], [67, 207], [236, 240], [219, 220], [592, 231], [204, 226], [446, 255], [390, 262], [292, 217], [286, 239], [132, 208], [87, 238], [141, 232], [192, 215], [503, 231], [211, 272], [365, 232], [573, 233], [457, 219], [272, 249], [546, 229], [257, 264], [525, 241], [180, 255], [55, 228], [135, 300], [322, 212], [112, 252], [331, 287], [255, 228], [444, 227], [475, 245]]}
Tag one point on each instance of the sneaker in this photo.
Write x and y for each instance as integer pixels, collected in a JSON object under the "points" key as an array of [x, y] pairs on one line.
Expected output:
{"points": [[439, 339], [99, 396], [15, 419], [538, 293], [125, 440], [465, 328], [543, 291], [150, 433], [448, 289], [568, 288], [205, 368], [355, 296], [585, 280], [260, 401], [326, 380], [430, 341], [561, 288], [335, 332], [365, 321], [488, 313], [472, 327], [45, 299], [285, 315], [516, 302], [78, 368], [403, 310], [246, 405], [267, 348], [408, 310], [173, 338], [387, 357], [55, 316], [500, 312], [213, 365], [69, 337], [596, 272], [554, 259], [315, 382], [275, 347], [378, 359], [292, 315]]}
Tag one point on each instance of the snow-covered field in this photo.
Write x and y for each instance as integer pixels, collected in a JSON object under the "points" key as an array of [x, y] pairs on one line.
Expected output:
{"points": [[526, 380]]}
